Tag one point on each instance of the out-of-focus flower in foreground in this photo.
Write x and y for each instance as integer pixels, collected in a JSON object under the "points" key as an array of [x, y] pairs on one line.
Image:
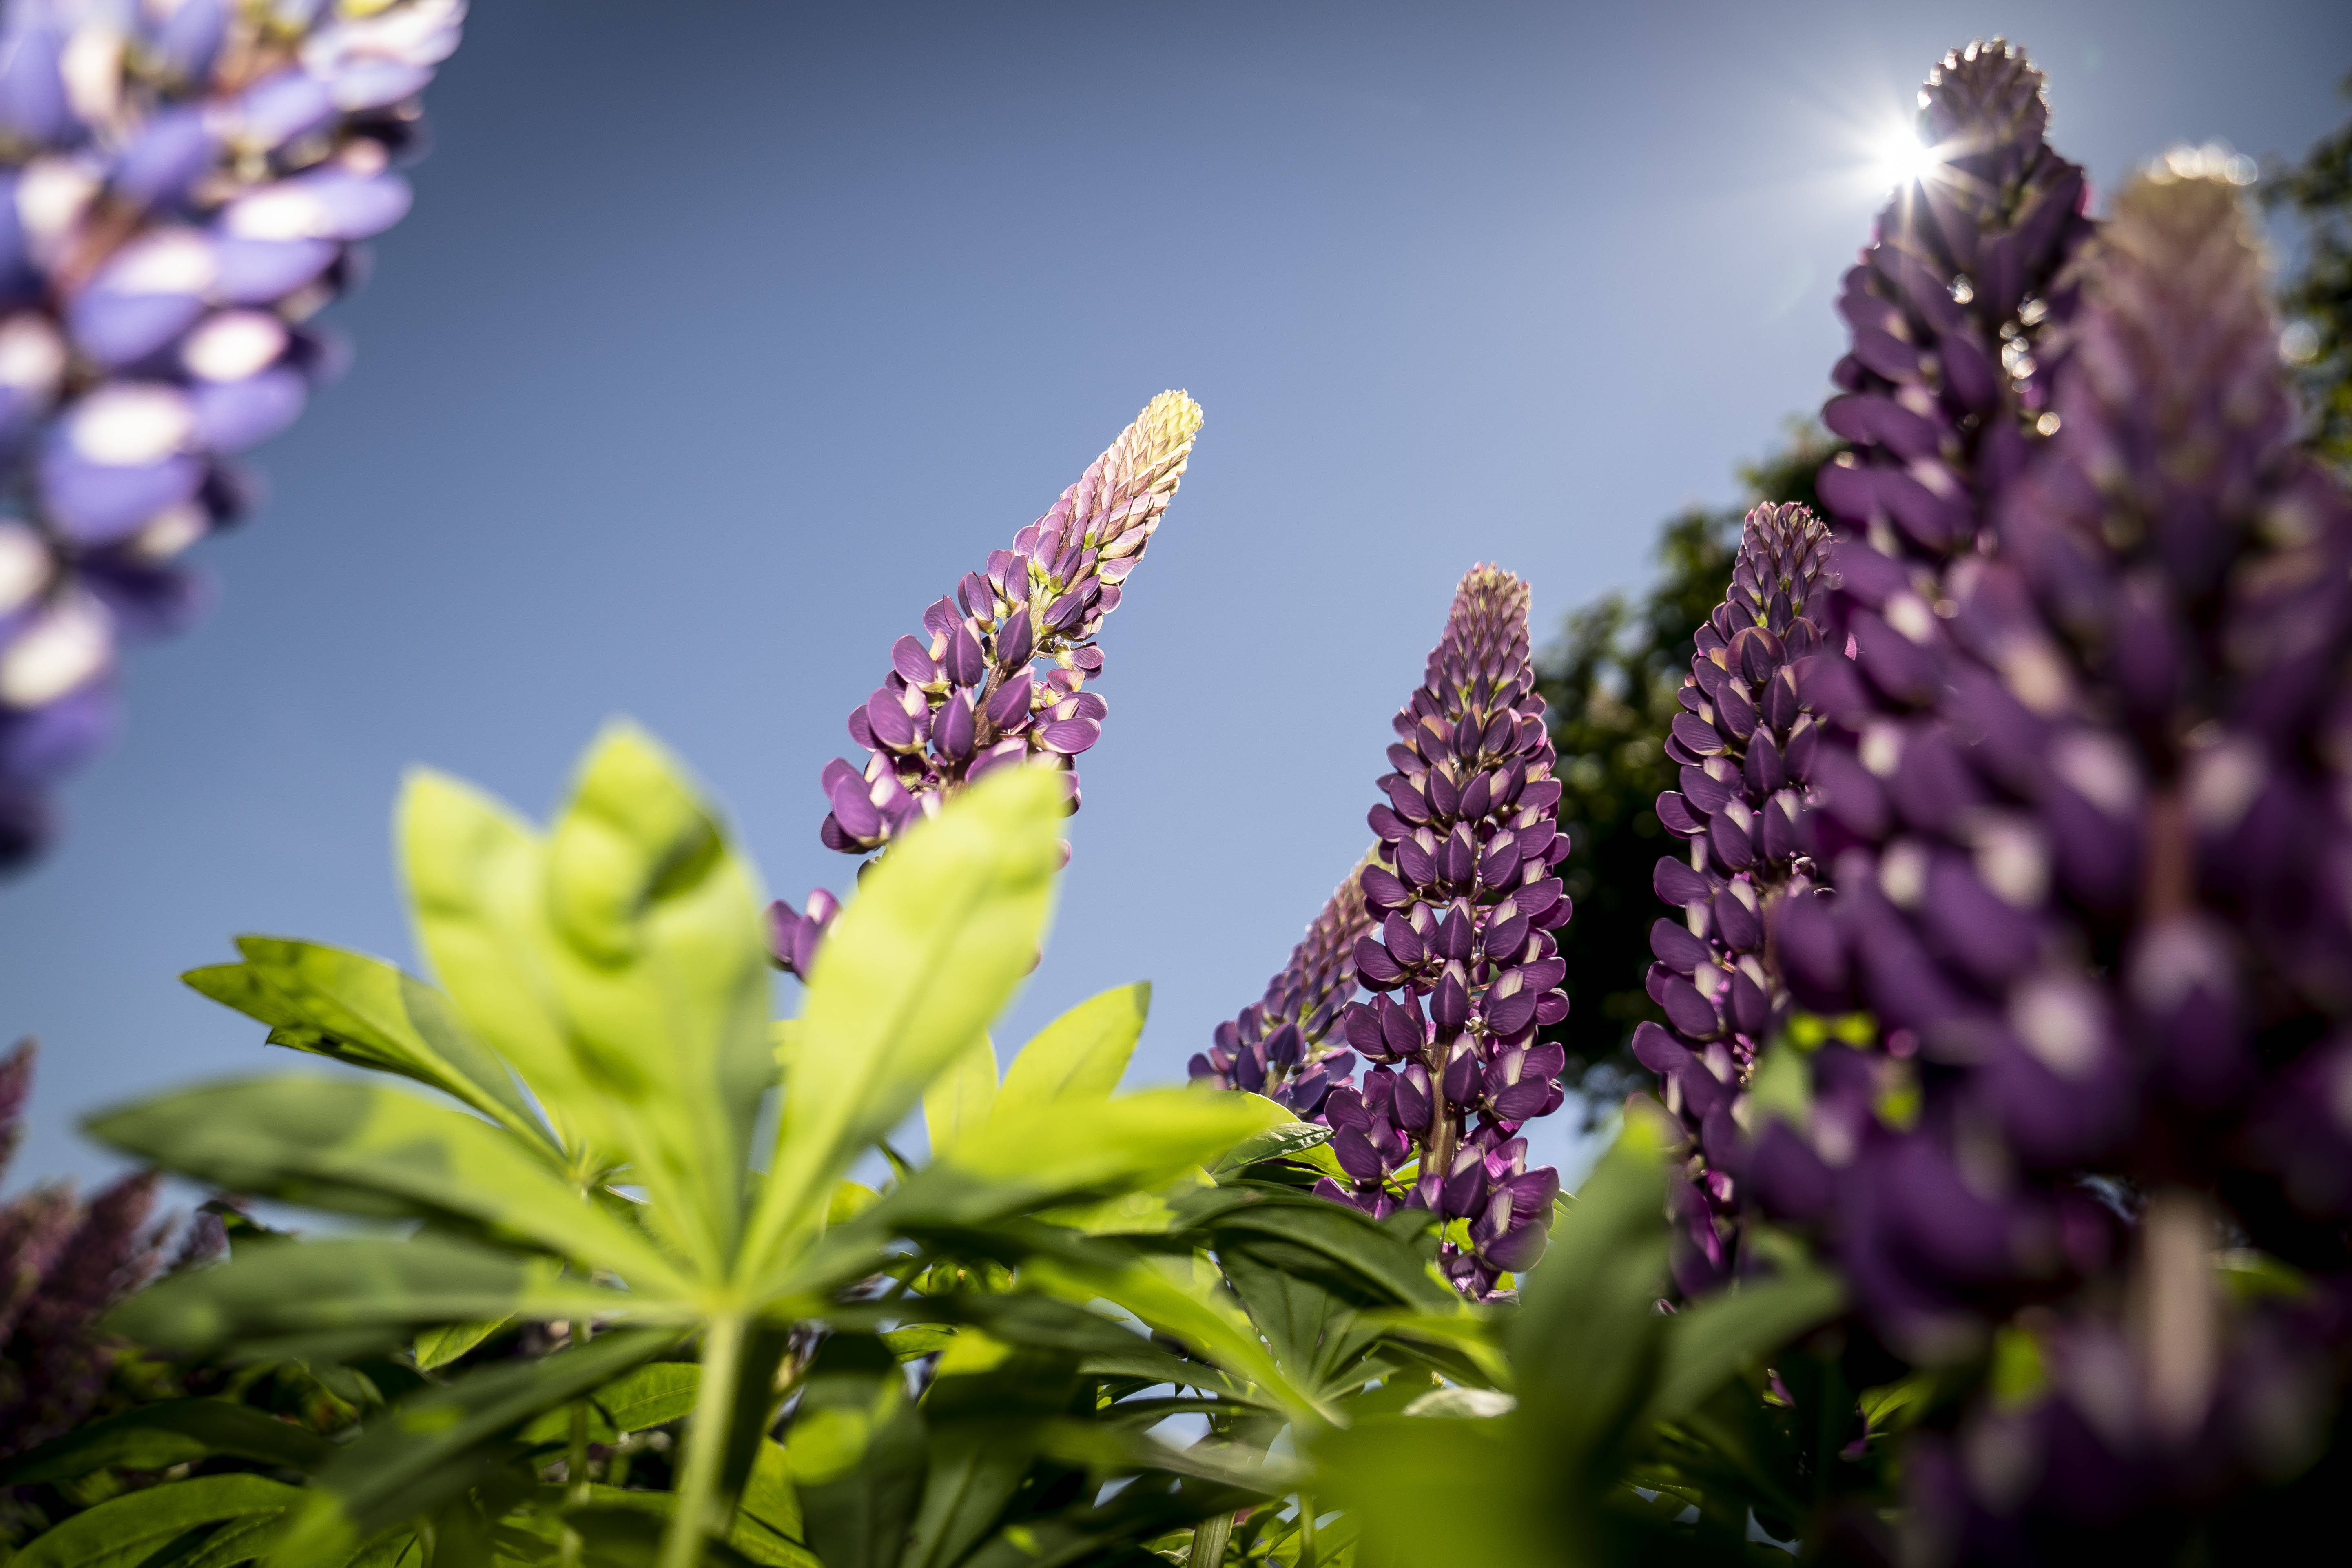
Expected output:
{"points": [[183, 187]]}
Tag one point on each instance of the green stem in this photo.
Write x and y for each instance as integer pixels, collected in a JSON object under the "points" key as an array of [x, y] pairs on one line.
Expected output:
{"points": [[714, 1413], [1306, 1530]]}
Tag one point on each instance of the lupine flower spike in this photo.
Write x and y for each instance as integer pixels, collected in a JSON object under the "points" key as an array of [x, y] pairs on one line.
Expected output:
{"points": [[1464, 958], [1746, 744], [965, 697], [2088, 844], [63, 1264], [182, 188], [1275, 1048]]}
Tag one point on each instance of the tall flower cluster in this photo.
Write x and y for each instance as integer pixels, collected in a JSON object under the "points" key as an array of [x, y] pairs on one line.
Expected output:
{"points": [[1745, 743], [2093, 874], [1276, 1046], [181, 189], [1463, 960], [1944, 388], [63, 1264], [965, 697]]}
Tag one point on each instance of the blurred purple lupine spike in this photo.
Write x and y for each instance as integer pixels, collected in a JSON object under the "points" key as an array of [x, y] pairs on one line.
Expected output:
{"points": [[2087, 822], [1745, 741], [1276, 1046], [62, 1266], [964, 697], [183, 187], [1944, 388], [1464, 958]]}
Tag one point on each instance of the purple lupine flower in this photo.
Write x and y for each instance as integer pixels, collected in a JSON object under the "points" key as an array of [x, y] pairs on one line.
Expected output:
{"points": [[1276, 1046], [2092, 872], [1944, 388], [182, 188], [1745, 742], [965, 697], [62, 1266], [1463, 959]]}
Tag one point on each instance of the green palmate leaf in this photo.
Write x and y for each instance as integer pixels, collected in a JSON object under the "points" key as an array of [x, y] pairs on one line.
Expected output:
{"points": [[365, 1148], [123, 1531], [1182, 1296], [1080, 1056], [1291, 1140], [660, 964], [1712, 1340], [157, 1436], [325, 1286], [1059, 1151], [437, 1348], [659, 1392], [365, 1011], [911, 973], [959, 1101], [1372, 1261], [429, 1449], [477, 878], [1587, 1341], [985, 1410], [856, 1455]]}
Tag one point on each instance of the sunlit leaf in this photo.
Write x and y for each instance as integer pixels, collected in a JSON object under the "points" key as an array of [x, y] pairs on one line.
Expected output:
{"points": [[960, 1100], [911, 973], [366, 1148], [1080, 1056]]}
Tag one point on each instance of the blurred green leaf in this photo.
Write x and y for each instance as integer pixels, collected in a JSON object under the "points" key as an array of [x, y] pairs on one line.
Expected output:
{"points": [[960, 1100], [365, 1148], [1711, 1341], [1080, 1056], [365, 1011], [157, 1436], [321, 1286], [856, 1455], [912, 972], [429, 1449], [983, 1414], [476, 879], [660, 964]]}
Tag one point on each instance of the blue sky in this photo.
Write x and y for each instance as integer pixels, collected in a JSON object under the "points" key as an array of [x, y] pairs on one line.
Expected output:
{"points": [[726, 335]]}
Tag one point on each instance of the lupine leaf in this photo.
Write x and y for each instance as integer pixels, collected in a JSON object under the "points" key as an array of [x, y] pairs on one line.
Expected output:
{"points": [[1080, 1056], [983, 1415], [658, 1392], [324, 1287], [477, 877], [123, 1531], [911, 973], [960, 1100], [1062, 1152], [365, 1011], [427, 1450], [1710, 1340], [659, 961], [366, 1148], [437, 1348], [856, 1455], [157, 1436]]}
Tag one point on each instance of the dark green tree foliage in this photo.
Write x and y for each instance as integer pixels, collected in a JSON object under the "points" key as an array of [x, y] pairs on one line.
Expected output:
{"points": [[1611, 682], [2318, 297]]}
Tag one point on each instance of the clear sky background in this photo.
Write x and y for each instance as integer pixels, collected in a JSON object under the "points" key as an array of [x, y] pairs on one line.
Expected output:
{"points": [[725, 336]]}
